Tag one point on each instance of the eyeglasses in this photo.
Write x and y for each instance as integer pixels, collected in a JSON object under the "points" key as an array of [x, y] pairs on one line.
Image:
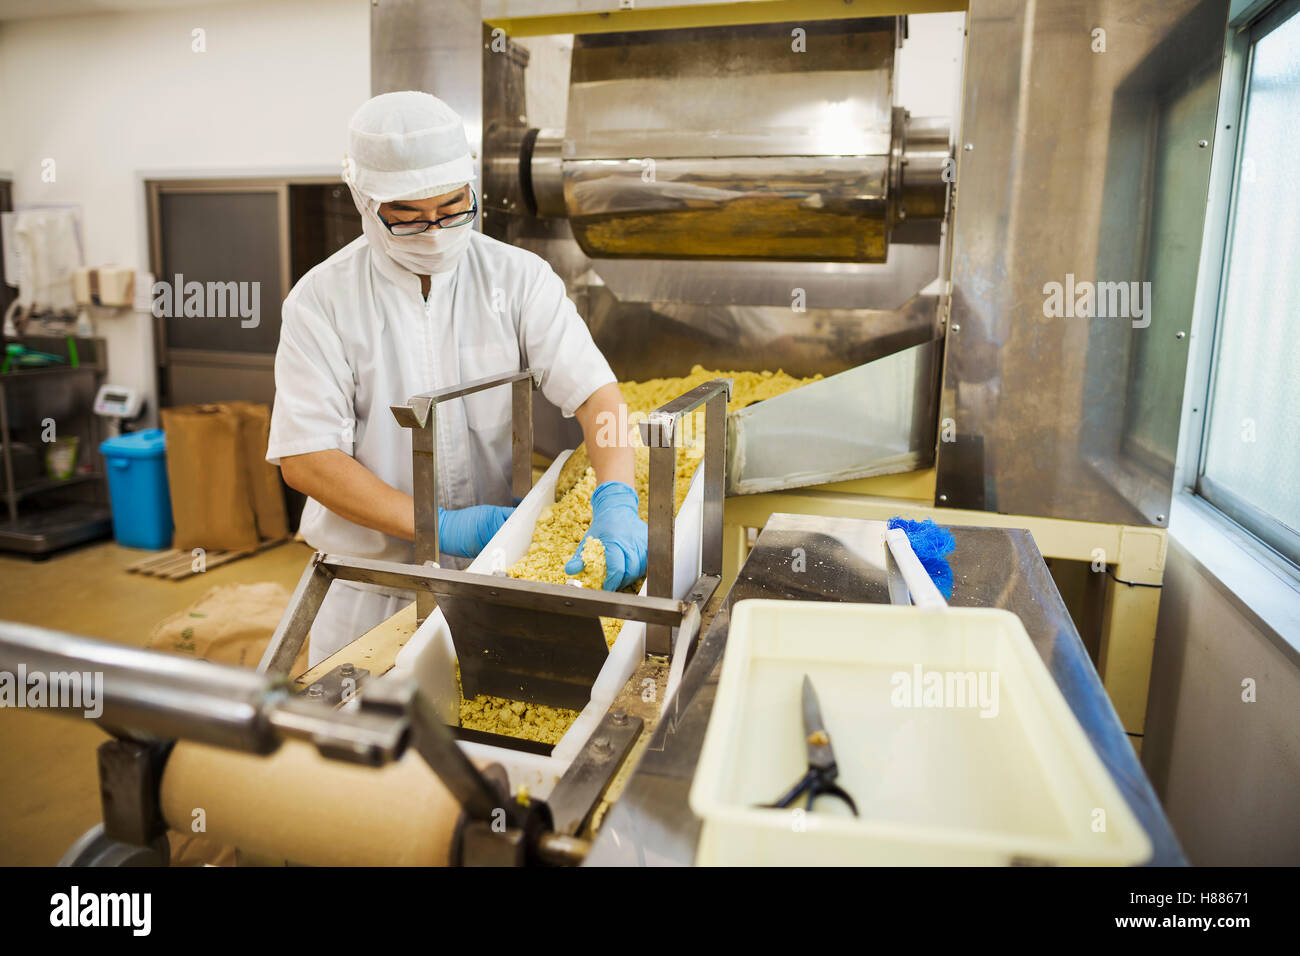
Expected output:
{"points": [[413, 227]]}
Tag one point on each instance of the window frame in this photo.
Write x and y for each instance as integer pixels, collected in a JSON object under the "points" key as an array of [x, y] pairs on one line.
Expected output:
{"points": [[158, 185], [1259, 525]]}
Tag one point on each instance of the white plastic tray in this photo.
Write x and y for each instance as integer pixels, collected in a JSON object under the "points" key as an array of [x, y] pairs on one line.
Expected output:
{"points": [[430, 655], [936, 785]]}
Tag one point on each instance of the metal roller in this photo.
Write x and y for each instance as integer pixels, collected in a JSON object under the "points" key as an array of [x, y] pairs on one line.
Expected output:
{"points": [[740, 197], [733, 144], [150, 694]]}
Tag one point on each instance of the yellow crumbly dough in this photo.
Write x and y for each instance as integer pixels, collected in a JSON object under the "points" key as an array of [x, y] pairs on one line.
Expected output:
{"points": [[514, 718], [644, 397], [561, 526]]}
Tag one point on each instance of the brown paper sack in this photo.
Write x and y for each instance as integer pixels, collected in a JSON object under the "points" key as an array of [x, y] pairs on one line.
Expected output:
{"points": [[211, 503], [263, 477], [228, 625]]}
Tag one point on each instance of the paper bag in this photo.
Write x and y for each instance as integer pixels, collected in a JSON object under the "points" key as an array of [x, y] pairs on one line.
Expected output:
{"points": [[211, 503], [263, 477]]}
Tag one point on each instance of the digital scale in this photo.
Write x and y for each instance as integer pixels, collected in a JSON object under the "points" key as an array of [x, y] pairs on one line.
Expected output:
{"points": [[118, 401]]}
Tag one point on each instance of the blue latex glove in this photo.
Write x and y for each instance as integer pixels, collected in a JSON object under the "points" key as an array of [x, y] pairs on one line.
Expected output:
{"points": [[614, 520], [464, 532]]}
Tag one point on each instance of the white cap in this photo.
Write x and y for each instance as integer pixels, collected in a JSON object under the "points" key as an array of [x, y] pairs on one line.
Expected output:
{"points": [[407, 145]]}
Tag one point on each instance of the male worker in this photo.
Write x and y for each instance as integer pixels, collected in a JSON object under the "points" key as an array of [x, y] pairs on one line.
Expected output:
{"points": [[422, 301]]}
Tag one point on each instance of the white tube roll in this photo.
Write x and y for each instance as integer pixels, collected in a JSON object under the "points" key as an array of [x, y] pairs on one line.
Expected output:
{"points": [[298, 806]]}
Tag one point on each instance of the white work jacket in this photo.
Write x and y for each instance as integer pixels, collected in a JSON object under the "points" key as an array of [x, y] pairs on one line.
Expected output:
{"points": [[356, 338]]}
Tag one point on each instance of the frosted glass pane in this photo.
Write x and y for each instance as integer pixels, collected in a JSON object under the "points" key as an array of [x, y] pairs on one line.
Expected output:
{"points": [[1254, 435]]}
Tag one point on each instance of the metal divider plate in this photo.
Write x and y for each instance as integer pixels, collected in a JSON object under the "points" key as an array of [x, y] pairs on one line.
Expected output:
{"points": [[523, 653]]}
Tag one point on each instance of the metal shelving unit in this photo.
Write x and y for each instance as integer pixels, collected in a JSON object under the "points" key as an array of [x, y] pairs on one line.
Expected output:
{"points": [[44, 514]]}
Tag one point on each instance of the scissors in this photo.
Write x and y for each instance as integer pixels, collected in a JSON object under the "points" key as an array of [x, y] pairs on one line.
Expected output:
{"points": [[822, 770]]}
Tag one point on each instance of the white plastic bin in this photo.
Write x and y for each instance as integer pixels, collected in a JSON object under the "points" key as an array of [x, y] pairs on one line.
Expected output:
{"points": [[981, 764]]}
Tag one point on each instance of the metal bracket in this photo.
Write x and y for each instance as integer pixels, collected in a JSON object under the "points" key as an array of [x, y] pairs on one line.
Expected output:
{"points": [[130, 773], [522, 639], [530, 641], [659, 434], [589, 775], [420, 415], [291, 633], [339, 685]]}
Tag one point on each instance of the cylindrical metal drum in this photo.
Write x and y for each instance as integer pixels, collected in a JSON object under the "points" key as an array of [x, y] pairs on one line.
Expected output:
{"points": [[772, 141]]}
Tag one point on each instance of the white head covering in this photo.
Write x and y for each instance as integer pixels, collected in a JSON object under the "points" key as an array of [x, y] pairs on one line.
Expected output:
{"points": [[407, 145]]}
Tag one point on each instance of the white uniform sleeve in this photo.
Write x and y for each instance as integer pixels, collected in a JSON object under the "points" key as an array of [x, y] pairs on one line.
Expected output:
{"points": [[314, 389], [558, 342]]}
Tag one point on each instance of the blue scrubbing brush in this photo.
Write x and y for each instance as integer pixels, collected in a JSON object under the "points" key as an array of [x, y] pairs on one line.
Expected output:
{"points": [[932, 544]]}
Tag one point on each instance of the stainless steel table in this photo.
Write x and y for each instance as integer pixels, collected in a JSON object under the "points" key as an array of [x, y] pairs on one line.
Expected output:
{"points": [[843, 559]]}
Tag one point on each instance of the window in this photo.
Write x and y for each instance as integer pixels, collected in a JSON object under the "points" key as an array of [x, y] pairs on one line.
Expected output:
{"points": [[244, 242], [1250, 454]]}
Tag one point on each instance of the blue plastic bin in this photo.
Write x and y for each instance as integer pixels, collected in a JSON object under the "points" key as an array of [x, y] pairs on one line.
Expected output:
{"points": [[137, 487]]}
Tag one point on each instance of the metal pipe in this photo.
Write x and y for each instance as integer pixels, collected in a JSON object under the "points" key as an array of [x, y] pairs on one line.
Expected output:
{"points": [[145, 693], [148, 694]]}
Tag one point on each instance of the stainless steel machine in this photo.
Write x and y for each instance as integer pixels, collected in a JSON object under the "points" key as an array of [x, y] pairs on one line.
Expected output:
{"points": [[151, 700], [526, 640], [738, 186], [690, 173], [741, 186], [742, 197], [160, 708]]}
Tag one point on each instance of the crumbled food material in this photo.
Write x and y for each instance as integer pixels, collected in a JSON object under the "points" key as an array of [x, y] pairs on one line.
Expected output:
{"points": [[644, 397], [515, 718], [562, 525]]}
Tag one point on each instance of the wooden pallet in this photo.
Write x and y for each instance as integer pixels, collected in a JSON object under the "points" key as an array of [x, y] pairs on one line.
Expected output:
{"points": [[176, 565]]}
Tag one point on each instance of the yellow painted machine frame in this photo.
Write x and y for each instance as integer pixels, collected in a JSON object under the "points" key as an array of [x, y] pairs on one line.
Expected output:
{"points": [[714, 15]]}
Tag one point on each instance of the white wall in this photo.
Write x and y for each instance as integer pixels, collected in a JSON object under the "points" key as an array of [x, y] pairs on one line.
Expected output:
{"points": [[114, 97], [1227, 771], [929, 65]]}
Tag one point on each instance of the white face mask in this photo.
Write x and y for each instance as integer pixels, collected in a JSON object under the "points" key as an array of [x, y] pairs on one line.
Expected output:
{"points": [[437, 250], [430, 252]]}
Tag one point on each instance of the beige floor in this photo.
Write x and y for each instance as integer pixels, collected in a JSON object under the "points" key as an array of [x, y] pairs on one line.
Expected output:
{"points": [[48, 790]]}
